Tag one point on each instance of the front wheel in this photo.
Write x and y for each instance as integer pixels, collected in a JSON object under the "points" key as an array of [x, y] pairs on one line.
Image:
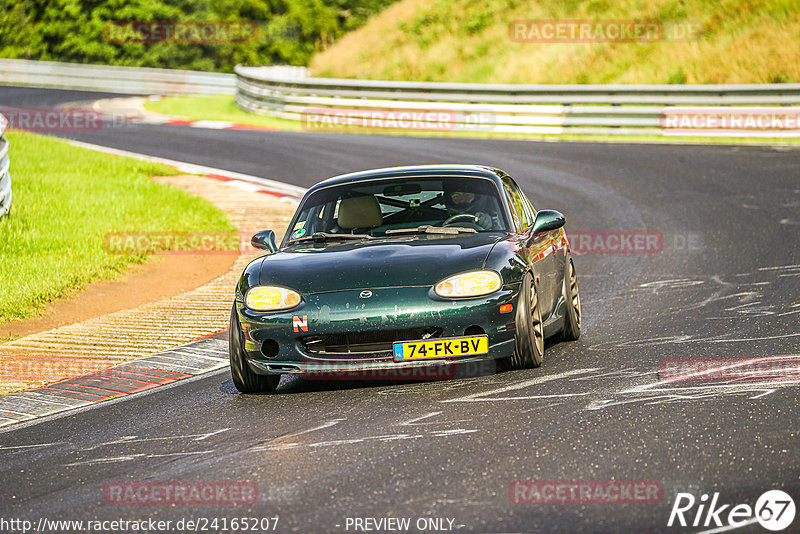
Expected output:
{"points": [[529, 339], [245, 380], [572, 301]]}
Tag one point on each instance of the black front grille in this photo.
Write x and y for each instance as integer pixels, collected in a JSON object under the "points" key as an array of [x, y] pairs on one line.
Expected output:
{"points": [[366, 342]]}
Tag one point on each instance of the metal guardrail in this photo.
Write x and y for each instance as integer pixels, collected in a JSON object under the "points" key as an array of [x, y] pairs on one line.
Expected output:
{"points": [[5, 164], [704, 110], [113, 79]]}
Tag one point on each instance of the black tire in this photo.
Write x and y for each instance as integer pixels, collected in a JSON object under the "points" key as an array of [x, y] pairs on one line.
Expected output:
{"points": [[529, 346], [572, 303], [245, 380]]}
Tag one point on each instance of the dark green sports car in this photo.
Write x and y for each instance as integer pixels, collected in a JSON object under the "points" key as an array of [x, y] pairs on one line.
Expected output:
{"points": [[389, 269]]}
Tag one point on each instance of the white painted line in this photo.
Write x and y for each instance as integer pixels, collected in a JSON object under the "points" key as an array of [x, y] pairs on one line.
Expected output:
{"points": [[413, 422], [726, 528], [179, 364], [274, 185], [135, 439], [223, 353], [212, 125], [118, 459], [67, 401], [484, 396], [185, 352], [329, 424], [206, 436], [443, 433], [6, 448]]}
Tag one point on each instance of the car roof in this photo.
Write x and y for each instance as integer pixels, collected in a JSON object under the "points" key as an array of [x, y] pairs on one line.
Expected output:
{"points": [[414, 171]]}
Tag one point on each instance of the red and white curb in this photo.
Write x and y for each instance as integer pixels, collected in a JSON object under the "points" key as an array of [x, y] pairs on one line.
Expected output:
{"points": [[246, 182], [211, 125], [198, 357], [132, 110]]}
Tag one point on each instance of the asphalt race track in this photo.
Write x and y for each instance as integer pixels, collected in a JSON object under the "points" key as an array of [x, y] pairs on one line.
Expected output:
{"points": [[725, 284]]}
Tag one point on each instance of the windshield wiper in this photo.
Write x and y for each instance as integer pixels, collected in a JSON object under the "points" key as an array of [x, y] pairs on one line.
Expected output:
{"points": [[428, 229], [324, 236]]}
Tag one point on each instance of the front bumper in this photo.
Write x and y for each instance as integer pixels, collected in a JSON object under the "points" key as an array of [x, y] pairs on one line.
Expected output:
{"points": [[277, 343]]}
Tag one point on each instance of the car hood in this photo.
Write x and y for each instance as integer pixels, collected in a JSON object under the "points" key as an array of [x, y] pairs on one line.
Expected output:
{"points": [[414, 260]]}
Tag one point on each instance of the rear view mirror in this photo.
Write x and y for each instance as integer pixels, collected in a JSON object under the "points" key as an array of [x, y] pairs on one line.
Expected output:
{"points": [[399, 190], [546, 221], [264, 240]]}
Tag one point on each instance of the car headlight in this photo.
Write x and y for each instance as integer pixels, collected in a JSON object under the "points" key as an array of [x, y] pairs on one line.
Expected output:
{"points": [[471, 284], [271, 298]]}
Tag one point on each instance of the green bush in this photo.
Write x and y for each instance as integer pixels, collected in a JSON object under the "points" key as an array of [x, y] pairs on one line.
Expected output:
{"points": [[290, 31]]}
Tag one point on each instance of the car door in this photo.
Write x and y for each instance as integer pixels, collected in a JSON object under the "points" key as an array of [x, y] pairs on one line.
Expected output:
{"points": [[540, 250]]}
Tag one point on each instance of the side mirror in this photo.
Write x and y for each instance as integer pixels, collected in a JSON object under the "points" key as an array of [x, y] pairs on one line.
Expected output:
{"points": [[546, 221], [264, 240]]}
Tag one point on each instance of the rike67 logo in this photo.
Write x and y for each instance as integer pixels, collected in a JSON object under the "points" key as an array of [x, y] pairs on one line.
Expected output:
{"points": [[774, 510]]}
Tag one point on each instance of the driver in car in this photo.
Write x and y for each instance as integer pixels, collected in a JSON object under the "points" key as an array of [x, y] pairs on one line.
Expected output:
{"points": [[459, 202]]}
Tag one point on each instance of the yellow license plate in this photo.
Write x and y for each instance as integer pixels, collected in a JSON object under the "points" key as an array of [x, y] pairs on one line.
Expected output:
{"points": [[441, 348]]}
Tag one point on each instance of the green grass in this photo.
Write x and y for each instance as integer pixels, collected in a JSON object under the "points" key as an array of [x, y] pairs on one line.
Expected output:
{"points": [[65, 200], [729, 41], [223, 108], [216, 107]]}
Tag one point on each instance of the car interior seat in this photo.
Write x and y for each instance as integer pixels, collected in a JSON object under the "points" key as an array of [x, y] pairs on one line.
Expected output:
{"points": [[359, 212]]}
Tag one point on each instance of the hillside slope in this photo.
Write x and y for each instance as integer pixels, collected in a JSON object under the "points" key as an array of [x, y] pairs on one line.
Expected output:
{"points": [[734, 41], [177, 34]]}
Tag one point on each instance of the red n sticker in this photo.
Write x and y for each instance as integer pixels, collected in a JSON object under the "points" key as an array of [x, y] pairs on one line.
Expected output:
{"points": [[300, 324]]}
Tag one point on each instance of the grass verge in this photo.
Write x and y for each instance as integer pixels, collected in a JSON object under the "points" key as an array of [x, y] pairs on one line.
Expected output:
{"points": [[697, 41], [223, 108], [215, 108], [66, 199]]}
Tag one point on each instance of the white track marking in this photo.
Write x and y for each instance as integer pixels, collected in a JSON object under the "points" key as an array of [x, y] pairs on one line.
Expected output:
{"points": [[681, 339], [443, 433], [414, 422], [664, 391], [135, 439], [329, 424], [131, 457], [205, 436], [7, 448], [183, 166], [484, 395], [727, 528]]}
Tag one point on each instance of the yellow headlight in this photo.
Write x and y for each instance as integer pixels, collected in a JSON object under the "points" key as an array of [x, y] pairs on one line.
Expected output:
{"points": [[472, 284], [270, 298]]}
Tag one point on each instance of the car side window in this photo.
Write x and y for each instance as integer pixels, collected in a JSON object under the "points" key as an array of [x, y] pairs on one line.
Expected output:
{"points": [[522, 214], [514, 214], [527, 203]]}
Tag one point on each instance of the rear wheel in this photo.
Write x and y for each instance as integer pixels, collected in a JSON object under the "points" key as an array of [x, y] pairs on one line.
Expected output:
{"points": [[529, 346], [572, 301], [244, 379]]}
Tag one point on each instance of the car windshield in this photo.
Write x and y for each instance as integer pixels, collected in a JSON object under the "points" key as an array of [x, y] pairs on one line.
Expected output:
{"points": [[375, 207]]}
